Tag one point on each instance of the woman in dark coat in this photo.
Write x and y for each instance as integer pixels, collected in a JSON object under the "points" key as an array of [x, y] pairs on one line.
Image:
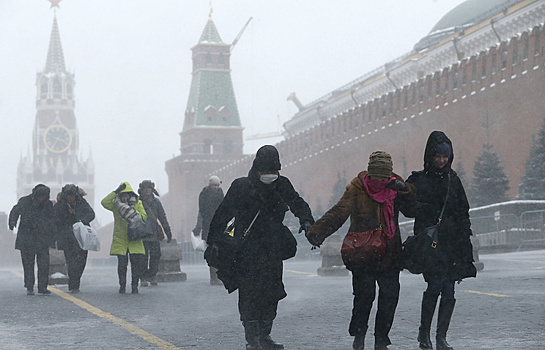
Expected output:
{"points": [[70, 208], [258, 271], [36, 234], [370, 202], [455, 253]]}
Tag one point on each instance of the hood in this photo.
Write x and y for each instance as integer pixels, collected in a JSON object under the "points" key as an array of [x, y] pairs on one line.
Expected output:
{"points": [[128, 188], [266, 158], [435, 138], [40, 190]]}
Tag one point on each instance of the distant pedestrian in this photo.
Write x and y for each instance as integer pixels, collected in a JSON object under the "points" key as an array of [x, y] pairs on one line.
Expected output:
{"points": [[209, 200], [259, 200], [156, 213], [70, 208], [370, 202], [127, 209], [36, 234], [436, 185]]}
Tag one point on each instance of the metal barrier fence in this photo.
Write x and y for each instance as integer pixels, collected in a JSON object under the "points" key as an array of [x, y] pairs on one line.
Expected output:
{"points": [[501, 230]]}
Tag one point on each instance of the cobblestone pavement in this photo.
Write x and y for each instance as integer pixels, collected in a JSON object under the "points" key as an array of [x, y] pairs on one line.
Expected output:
{"points": [[503, 308]]}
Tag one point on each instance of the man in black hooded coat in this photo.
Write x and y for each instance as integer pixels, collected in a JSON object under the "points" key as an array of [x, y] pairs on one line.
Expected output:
{"points": [[258, 269], [455, 253], [35, 235]]}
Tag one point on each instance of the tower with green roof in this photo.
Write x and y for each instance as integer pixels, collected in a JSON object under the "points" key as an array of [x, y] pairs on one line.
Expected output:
{"points": [[211, 135]]}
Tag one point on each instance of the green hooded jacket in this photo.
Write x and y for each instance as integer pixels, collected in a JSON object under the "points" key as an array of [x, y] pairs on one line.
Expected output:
{"points": [[120, 241]]}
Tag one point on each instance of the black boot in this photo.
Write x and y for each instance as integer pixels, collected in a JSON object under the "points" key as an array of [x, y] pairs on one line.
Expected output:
{"points": [[446, 307], [122, 284], [265, 339], [426, 316], [359, 342], [251, 333]]}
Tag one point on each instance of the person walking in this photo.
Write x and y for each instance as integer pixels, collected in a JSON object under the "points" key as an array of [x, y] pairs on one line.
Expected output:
{"points": [[370, 202], [156, 213], [258, 202], [209, 200], [70, 208], [437, 186], [128, 210], [36, 234]]}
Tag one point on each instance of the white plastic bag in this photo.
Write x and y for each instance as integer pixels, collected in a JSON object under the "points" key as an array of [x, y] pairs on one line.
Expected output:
{"points": [[198, 243], [86, 236]]}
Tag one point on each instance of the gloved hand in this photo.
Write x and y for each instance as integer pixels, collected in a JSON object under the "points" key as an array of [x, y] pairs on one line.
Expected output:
{"points": [[196, 232], [120, 188], [315, 240], [11, 226], [397, 186], [305, 226], [169, 239]]}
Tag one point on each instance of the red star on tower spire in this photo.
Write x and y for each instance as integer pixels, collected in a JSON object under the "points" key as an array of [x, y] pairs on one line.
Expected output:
{"points": [[54, 3]]}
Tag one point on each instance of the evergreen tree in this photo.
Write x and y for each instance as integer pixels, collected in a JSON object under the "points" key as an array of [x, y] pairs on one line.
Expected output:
{"points": [[490, 183], [533, 181]]}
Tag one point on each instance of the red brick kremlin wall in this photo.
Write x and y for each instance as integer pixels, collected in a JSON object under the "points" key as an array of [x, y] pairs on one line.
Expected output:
{"points": [[498, 95]]}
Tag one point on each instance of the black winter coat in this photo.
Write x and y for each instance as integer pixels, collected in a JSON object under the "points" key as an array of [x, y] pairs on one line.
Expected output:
{"points": [[454, 244], [209, 201], [37, 225], [65, 219], [154, 204], [260, 249]]}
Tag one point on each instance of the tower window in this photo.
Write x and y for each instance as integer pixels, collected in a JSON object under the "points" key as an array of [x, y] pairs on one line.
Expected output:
{"points": [[57, 86], [225, 113], [210, 113], [207, 146], [208, 58]]}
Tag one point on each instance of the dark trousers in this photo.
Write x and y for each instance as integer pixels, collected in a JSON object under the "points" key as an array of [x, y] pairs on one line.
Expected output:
{"points": [[41, 256], [76, 260], [137, 268], [438, 286], [153, 255], [254, 307], [364, 285]]}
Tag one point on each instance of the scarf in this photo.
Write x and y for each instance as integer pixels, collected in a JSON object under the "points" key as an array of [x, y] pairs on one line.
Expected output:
{"points": [[379, 193], [126, 210]]}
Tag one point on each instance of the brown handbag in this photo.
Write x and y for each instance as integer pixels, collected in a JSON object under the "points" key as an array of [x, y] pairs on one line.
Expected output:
{"points": [[361, 248]]}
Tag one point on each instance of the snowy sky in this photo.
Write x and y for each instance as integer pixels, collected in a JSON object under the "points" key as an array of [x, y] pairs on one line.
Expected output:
{"points": [[132, 65]]}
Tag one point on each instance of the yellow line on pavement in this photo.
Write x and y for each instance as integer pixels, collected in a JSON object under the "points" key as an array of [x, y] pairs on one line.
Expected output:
{"points": [[301, 272], [150, 338], [489, 294]]}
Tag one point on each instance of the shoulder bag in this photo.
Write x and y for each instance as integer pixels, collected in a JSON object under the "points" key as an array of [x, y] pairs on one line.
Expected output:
{"points": [[420, 250], [158, 229], [361, 248]]}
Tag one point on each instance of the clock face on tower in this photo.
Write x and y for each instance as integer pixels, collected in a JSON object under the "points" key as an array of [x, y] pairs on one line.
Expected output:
{"points": [[57, 138]]}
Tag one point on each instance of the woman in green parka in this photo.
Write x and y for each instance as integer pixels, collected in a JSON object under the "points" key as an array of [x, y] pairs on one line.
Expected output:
{"points": [[127, 208]]}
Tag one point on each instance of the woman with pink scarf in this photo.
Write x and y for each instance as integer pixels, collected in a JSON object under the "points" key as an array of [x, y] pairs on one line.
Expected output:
{"points": [[370, 201]]}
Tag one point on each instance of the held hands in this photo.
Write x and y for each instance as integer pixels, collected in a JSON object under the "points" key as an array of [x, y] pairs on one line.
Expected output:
{"points": [[169, 239], [120, 188], [397, 186], [315, 240], [305, 226]]}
